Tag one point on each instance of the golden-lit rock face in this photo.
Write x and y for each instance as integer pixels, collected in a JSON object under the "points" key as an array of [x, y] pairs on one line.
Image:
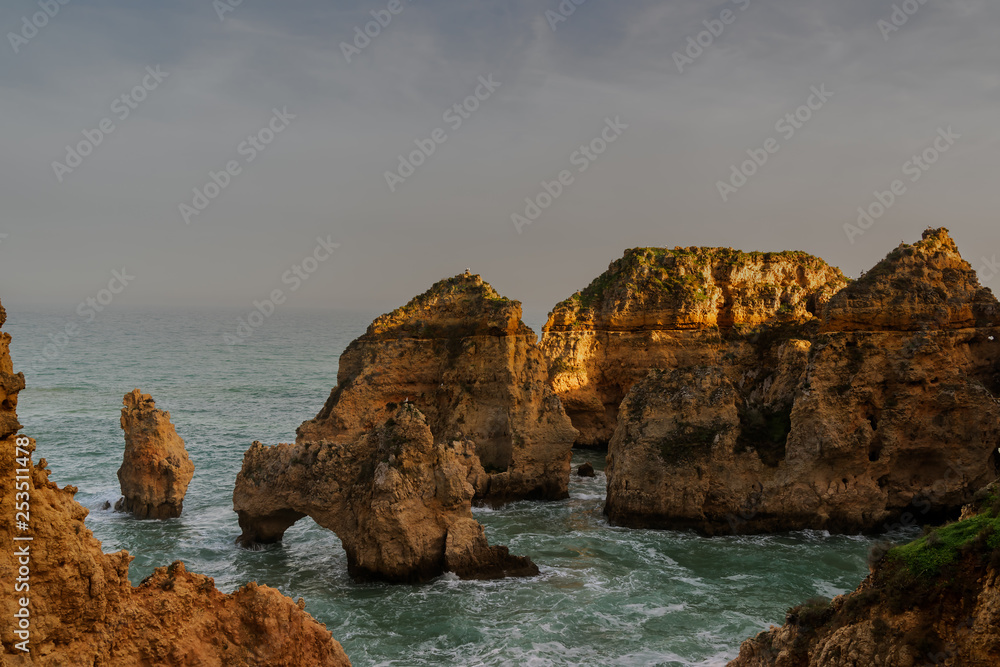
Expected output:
{"points": [[400, 502], [926, 285], [662, 308], [84, 611], [809, 415], [461, 355], [156, 469]]}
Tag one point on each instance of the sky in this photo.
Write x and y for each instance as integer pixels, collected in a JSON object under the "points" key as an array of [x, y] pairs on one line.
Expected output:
{"points": [[648, 111]]}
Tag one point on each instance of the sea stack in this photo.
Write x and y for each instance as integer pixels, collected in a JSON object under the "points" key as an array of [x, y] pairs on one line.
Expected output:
{"points": [[400, 502], [156, 469], [882, 402], [461, 355], [84, 611]]}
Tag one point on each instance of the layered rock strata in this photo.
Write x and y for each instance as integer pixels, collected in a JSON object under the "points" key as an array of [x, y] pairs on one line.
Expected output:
{"points": [[84, 612], [460, 354], [400, 502], [795, 424], [662, 308], [935, 601], [156, 469]]}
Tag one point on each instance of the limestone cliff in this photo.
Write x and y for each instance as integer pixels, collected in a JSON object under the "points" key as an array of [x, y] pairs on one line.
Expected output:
{"points": [[916, 287], [935, 601], [156, 469], [792, 424], [400, 502], [83, 610], [662, 308], [461, 355]]}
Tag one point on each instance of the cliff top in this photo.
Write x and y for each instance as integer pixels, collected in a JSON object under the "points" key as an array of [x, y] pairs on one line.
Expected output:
{"points": [[915, 286], [464, 305], [696, 287]]}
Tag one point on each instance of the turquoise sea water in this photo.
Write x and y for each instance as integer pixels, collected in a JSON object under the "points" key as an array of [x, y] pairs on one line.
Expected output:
{"points": [[605, 596]]}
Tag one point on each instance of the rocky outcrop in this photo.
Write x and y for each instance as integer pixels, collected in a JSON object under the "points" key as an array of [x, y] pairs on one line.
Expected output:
{"points": [[83, 610], [461, 355], [794, 425], [935, 601], [663, 308], [926, 286], [400, 502], [156, 469]]}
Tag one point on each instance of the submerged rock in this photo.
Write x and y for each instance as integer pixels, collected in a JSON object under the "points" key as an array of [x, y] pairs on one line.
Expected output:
{"points": [[400, 502], [84, 611], [935, 601], [156, 469], [461, 355]]}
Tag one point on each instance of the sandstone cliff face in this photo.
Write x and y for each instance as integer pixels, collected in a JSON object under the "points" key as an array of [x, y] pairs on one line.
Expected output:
{"points": [[156, 469], [461, 355], [400, 502], [661, 308], [84, 611], [793, 426], [923, 286], [935, 601]]}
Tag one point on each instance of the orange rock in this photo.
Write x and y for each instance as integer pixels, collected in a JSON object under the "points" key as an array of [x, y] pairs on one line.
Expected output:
{"points": [[156, 469], [400, 503], [461, 355], [84, 611]]}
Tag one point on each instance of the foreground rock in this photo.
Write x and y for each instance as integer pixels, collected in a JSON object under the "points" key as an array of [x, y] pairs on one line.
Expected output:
{"points": [[400, 503], [935, 601], [156, 469], [84, 612], [662, 308], [797, 425], [461, 355]]}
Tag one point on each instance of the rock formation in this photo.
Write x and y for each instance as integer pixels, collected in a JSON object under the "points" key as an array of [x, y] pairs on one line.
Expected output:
{"points": [[400, 502], [662, 308], [83, 610], [793, 423], [935, 601], [156, 469], [459, 353]]}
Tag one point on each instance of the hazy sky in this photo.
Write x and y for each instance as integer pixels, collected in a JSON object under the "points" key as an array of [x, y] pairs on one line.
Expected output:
{"points": [[323, 175]]}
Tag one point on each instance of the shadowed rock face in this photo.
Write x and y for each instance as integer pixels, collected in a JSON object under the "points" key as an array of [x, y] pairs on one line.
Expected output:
{"points": [[935, 601], [156, 469], [400, 503], [796, 426], [84, 611], [662, 308], [461, 355]]}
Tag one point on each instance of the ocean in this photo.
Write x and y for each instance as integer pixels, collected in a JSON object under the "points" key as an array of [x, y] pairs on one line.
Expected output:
{"points": [[605, 595]]}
